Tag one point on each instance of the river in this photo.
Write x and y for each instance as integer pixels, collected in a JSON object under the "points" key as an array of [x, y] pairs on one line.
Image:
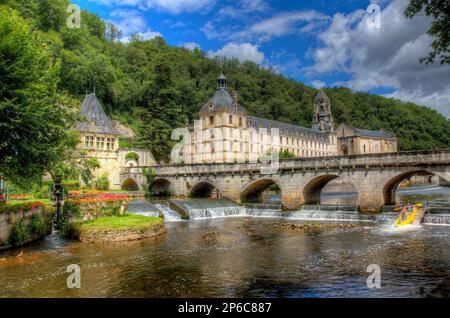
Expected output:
{"points": [[239, 256]]}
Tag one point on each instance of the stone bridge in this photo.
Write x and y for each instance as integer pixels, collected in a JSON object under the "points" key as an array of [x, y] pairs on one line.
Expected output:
{"points": [[375, 177]]}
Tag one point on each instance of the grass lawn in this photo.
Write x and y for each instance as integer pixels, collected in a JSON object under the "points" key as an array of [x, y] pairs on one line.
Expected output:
{"points": [[129, 221]]}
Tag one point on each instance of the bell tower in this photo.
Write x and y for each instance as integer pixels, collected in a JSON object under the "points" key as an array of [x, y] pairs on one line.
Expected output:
{"points": [[323, 118]]}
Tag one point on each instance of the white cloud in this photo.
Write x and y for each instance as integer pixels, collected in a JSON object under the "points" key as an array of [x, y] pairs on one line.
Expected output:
{"points": [[131, 22], [146, 36], [242, 8], [318, 83], [171, 6], [385, 57], [191, 46], [128, 21], [242, 52], [282, 24]]}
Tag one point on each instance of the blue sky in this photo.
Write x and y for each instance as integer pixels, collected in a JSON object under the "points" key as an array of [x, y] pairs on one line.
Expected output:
{"points": [[320, 43]]}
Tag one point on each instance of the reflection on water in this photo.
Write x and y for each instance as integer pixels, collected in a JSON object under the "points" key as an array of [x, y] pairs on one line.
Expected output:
{"points": [[238, 257]]}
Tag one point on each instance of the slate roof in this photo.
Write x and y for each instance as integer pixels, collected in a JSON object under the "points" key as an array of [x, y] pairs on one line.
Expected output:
{"points": [[96, 120], [222, 98], [374, 133], [286, 128], [381, 134]]}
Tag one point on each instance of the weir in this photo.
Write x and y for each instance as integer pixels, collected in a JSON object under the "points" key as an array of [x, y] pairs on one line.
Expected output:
{"points": [[197, 209]]}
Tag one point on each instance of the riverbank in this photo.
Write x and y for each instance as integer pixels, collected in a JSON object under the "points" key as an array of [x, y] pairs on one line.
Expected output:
{"points": [[119, 229]]}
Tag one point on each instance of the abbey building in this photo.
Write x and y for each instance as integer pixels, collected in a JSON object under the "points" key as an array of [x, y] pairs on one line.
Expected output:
{"points": [[225, 132]]}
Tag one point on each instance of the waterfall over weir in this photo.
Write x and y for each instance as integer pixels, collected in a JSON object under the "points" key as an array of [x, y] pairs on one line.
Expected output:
{"points": [[143, 208], [202, 209], [155, 210], [206, 208], [197, 209]]}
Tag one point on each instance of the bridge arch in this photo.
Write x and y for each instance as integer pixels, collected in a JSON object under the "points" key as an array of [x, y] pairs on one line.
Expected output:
{"points": [[313, 190], [391, 186], [205, 189], [253, 191], [129, 184], [160, 187]]}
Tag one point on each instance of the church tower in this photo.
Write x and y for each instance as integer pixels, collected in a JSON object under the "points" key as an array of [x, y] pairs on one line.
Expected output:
{"points": [[323, 118]]}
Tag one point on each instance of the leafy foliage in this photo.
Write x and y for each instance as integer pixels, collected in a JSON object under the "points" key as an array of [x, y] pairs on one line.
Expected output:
{"points": [[102, 182], [439, 10], [132, 156], [35, 118], [286, 154], [70, 211], [26, 228], [87, 168], [153, 87]]}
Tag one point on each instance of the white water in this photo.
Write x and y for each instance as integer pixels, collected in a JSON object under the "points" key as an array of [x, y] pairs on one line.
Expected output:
{"points": [[436, 219], [205, 209], [143, 208], [169, 214], [202, 209]]}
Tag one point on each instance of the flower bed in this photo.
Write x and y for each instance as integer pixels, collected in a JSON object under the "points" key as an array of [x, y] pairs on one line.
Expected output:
{"points": [[104, 197], [20, 206], [20, 197]]}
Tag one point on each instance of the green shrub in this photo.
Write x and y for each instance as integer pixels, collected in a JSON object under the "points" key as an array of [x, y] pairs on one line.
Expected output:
{"points": [[132, 156], [40, 191], [39, 225], [124, 143], [19, 233], [69, 211], [102, 183], [71, 185]]}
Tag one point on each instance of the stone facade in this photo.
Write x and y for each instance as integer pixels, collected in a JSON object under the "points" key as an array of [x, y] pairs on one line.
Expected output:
{"points": [[354, 141], [100, 139], [226, 133]]}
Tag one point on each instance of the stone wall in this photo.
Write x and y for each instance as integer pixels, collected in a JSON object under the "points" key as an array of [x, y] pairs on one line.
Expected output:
{"points": [[7, 220], [107, 236]]}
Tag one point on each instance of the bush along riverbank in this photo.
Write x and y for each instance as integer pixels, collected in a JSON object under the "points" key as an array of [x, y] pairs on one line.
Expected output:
{"points": [[24, 222], [105, 219]]}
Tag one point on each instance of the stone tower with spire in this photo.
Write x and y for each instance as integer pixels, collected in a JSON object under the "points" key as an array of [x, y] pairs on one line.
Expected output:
{"points": [[323, 118]]}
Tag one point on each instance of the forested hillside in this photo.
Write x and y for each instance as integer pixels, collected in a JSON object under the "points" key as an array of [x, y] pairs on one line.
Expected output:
{"points": [[154, 87]]}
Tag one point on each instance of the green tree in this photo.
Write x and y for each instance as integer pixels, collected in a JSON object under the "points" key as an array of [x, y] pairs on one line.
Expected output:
{"points": [[87, 167], [34, 118], [439, 10]]}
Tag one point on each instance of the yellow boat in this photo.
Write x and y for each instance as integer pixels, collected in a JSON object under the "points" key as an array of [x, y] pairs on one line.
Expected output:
{"points": [[406, 218]]}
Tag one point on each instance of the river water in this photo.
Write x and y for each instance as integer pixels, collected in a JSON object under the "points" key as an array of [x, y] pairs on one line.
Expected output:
{"points": [[240, 256]]}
